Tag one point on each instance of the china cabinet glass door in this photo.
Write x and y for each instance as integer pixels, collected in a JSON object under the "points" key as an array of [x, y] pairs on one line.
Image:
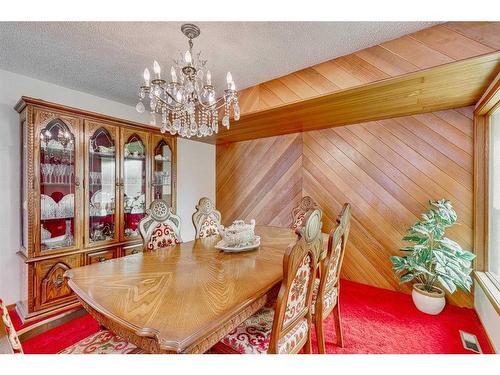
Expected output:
{"points": [[58, 184], [134, 177], [162, 172], [101, 180]]}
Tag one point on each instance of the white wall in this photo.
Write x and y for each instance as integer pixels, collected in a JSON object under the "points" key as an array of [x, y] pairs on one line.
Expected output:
{"points": [[196, 178], [488, 315], [196, 166]]}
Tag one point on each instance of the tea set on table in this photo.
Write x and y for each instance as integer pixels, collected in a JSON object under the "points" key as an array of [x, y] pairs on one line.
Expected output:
{"points": [[238, 237]]}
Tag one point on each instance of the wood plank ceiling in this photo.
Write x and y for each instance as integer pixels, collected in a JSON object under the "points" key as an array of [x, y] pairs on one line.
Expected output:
{"points": [[387, 170], [429, 48]]}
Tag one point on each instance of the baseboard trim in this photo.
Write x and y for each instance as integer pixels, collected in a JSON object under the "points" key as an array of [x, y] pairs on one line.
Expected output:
{"points": [[49, 323]]}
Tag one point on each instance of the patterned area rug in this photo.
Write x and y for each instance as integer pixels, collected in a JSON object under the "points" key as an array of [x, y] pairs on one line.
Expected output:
{"points": [[102, 342]]}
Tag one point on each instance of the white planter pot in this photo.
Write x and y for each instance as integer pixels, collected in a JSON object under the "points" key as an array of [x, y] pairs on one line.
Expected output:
{"points": [[429, 303]]}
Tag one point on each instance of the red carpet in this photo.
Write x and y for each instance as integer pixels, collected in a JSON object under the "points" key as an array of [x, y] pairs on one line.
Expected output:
{"points": [[59, 338], [381, 321], [374, 321]]}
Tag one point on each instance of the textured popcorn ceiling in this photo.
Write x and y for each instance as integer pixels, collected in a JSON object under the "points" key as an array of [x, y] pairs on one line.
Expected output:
{"points": [[107, 59]]}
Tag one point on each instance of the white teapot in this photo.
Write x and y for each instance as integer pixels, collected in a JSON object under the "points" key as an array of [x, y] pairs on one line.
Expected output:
{"points": [[238, 234]]}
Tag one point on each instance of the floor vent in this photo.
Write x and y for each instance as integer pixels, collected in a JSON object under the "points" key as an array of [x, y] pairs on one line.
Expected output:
{"points": [[470, 342]]}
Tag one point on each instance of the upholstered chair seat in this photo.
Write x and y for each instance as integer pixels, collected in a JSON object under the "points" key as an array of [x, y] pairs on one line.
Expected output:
{"points": [[102, 342], [206, 219], [284, 328], [160, 228], [254, 334]]}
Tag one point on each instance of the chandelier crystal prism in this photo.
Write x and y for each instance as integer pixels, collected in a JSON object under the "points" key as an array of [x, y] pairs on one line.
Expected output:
{"points": [[188, 105]]}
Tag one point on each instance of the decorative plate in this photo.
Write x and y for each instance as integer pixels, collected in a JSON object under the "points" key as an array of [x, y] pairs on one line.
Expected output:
{"points": [[101, 203], [44, 234], [48, 207], [221, 245], [66, 206]]}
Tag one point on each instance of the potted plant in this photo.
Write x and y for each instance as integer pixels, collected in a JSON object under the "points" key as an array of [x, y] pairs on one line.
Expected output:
{"points": [[433, 259]]}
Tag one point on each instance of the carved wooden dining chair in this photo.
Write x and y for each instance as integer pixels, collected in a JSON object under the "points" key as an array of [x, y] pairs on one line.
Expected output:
{"points": [[102, 342], [286, 329], [9, 341], [327, 287], [206, 219], [160, 227], [299, 212]]}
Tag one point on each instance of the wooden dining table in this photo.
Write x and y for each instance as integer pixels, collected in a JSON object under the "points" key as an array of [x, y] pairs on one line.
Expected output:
{"points": [[182, 299]]}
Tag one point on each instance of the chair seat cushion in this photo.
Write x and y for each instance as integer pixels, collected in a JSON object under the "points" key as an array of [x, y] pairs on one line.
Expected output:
{"points": [[253, 335], [102, 342], [329, 301]]}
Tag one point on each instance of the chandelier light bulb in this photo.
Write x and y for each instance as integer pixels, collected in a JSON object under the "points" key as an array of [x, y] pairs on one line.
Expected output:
{"points": [[187, 58], [233, 86], [157, 68], [229, 78], [209, 78], [174, 75], [147, 77]]}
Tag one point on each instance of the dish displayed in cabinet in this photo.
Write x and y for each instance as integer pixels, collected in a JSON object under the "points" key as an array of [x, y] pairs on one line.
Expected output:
{"points": [[52, 210], [135, 204], [65, 240], [102, 203]]}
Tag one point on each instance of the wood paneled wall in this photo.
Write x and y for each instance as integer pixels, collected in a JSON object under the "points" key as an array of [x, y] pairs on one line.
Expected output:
{"points": [[260, 179], [387, 170], [441, 44]]}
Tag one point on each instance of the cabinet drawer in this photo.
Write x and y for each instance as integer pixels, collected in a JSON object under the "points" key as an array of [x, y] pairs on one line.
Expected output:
{"points": [[100, 256], [51, 287], [133, 250]]}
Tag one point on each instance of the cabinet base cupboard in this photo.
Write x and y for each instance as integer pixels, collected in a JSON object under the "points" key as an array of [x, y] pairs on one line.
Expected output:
{"points": [[86, 181]]}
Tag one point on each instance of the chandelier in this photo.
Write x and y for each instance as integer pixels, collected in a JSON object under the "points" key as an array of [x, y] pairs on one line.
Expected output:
{"points": [[188, 105]]}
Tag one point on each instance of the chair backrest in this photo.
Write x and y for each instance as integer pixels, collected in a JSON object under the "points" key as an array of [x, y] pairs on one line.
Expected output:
{"points": [[160, 227], [292, 320], [330, 267], [206, 219], [9, 341], [299, 212]]}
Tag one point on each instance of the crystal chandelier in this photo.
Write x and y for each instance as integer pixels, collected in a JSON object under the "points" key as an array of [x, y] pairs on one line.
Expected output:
{"points": [[188, 105]]}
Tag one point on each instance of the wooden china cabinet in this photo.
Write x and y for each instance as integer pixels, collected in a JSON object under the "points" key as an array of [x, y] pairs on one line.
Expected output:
{"points": [[86, 181]]}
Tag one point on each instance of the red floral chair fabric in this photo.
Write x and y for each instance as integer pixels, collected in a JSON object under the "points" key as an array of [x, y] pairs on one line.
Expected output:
{"points": [[298, 213], [206, 219], [297, 222], [208, 228], [329, 299], [102, 342], [163, 236], [160, 228], [11, 334], [252, 337], [297, 298]]}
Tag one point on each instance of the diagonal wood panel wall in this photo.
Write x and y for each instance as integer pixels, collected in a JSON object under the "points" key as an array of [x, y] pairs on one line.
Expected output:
{"points": [[426, 48], [387, 170], [260, 179]]}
